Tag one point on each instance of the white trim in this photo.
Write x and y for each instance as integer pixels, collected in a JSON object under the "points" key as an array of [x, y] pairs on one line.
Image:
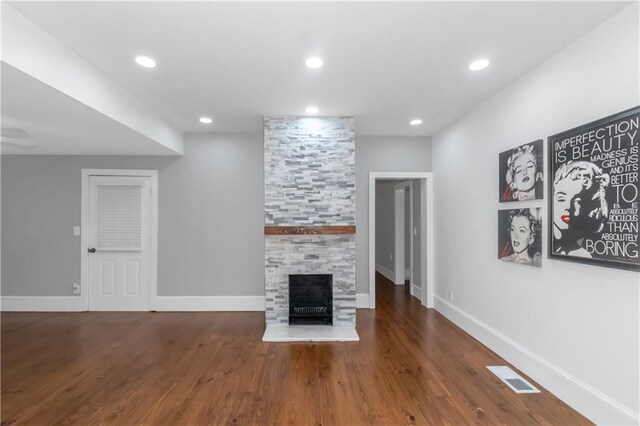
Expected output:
{"points": [[153, 247], [118, 172], [587, 400], [362, 300], [426, 232], [416, 291], [427, 242], [42, 304], [385, 272], [209, 303], [84, 229], [411, 236], [84, 237], [372, 241]]}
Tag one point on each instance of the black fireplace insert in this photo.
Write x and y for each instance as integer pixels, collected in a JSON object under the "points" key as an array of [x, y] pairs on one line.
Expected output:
{"points": [[311, 299]]}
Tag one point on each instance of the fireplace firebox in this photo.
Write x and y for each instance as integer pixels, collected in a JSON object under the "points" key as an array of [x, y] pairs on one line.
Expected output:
{"points": [[311, 299]]}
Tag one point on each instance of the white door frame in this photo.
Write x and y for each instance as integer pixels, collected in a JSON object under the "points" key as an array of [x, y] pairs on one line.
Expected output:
{"points": [[153, 230], [400, 227], [427, 280]]}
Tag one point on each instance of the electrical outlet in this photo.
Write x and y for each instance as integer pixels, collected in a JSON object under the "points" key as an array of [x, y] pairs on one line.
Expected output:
{"points": [[451, 295], [76, 288]]}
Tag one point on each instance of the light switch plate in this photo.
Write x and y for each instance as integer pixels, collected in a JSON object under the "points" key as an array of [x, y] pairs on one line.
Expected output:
{"points": [[76, 231]]}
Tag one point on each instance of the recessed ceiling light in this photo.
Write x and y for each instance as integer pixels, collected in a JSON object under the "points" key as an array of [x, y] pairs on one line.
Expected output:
{"points": [[206, 120], [415, 122], [478, 65], [312, 110], [145, 61], [314, 62]]}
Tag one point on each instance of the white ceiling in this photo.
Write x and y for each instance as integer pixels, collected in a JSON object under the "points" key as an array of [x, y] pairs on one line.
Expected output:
{"points": [[385, 63], [58, 124]]}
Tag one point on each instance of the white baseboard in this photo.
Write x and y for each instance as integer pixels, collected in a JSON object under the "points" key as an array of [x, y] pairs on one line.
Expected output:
{"points": [[416, 291], [362, 300], [209, 303], [42, 304], [387, 273], [585, 399]]}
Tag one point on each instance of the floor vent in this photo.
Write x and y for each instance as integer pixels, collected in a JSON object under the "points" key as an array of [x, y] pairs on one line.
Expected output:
{"points": [[513, 380]]}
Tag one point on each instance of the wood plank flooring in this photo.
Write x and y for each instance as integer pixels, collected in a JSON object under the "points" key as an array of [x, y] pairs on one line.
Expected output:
{"points": [[412, 366]]}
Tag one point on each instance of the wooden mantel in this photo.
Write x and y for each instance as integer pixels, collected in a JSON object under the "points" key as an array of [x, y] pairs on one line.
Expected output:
{"points": [[309, 230]]}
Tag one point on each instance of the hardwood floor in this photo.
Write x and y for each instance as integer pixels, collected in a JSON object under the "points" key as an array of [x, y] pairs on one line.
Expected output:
{"points": [[412, 366]]}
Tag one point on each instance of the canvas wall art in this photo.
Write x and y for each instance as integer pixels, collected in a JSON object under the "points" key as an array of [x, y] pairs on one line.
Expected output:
{"points": [[520, 236], [594, 192], [521, 173]]}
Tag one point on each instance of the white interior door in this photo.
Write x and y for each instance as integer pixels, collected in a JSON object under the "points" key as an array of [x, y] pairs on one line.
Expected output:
{"points": [[399, 228], [119, 243]]}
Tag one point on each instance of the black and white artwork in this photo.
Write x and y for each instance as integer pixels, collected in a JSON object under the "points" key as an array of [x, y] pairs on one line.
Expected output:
{"points": [[594, 192], [521, 173], [520, 236]]}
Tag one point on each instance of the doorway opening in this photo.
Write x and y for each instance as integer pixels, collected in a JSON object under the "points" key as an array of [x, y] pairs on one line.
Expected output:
{"points": [[401, 232]]}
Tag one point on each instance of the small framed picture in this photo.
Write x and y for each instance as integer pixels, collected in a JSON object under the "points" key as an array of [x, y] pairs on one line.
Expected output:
{"points": [[521, 173], [520, 236]]}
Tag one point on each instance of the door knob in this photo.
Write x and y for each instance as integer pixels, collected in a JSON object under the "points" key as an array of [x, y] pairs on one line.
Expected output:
{"points": [[91, 250]]}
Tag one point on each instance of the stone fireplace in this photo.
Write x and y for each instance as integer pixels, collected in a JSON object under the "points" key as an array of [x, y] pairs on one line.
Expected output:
{"points": [[309, 166]]}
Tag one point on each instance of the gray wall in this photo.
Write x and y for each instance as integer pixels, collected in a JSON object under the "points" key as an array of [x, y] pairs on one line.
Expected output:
{"points": [[382, 154], [583, 319], [210, 238], [210, 220]]}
